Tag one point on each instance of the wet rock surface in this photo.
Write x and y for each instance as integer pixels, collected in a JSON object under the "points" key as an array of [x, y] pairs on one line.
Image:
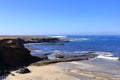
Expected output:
{"points": [[56, 56], [71, 54]]}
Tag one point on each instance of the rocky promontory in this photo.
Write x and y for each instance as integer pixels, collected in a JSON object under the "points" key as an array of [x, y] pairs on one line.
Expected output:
{"points": [[13, 54]]}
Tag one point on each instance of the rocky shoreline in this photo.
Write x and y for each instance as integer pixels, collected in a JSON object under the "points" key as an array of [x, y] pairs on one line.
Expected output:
{"points": [[13, 54], [15, 60]]}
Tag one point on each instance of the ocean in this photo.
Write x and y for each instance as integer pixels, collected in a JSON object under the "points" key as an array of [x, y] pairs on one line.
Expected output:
{"points": [[109, 44]]}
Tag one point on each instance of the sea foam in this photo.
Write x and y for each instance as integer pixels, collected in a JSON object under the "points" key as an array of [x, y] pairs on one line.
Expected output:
{"points": [[107, 55]]}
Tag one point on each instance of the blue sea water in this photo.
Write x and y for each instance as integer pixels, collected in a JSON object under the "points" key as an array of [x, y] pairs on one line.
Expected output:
{"points": [[97, 43], [86, 43]]}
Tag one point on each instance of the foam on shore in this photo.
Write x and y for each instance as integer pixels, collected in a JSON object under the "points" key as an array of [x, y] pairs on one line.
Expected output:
{"points": [[107, 55]]}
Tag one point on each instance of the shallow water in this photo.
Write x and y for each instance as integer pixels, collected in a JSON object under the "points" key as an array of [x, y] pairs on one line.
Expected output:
{"points": [[94, 65]]}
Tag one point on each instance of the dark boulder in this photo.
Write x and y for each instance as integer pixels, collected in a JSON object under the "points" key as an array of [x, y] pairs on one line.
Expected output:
{"points": [[23, 70]]}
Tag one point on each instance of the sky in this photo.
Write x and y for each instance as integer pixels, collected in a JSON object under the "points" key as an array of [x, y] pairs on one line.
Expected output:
{"points": [[59, 17]]}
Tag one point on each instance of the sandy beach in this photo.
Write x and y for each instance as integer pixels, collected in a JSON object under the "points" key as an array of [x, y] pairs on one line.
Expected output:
{"points": [[49, 72], [66, 71]]}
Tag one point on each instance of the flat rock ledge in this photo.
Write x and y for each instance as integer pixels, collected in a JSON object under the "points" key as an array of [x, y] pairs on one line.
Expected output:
{"points": [[46, 62]]}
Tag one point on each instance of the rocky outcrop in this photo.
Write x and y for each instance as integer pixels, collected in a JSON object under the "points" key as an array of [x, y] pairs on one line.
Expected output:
{"points": [[13, 53], [23, 70]]}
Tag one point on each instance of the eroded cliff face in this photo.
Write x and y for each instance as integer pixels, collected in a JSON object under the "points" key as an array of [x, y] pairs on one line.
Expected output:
{"points": [[13, 53]]}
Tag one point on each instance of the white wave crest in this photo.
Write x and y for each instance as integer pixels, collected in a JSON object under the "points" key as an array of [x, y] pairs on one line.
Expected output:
{"points": [[79, 39], [109, 58], [107, 55]]}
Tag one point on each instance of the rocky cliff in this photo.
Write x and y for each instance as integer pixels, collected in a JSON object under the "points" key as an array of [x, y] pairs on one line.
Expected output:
{"points": [[13, 53]]}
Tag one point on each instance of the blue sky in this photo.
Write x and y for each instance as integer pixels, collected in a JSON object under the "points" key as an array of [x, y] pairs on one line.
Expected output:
{"points": [[59, 17]]}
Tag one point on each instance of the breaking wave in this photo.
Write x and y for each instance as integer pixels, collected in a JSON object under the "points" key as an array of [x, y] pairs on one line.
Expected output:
{"points": [[106, 55]]}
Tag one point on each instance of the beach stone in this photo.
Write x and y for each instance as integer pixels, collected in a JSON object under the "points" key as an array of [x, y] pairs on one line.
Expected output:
{"points": [[23, 70]]}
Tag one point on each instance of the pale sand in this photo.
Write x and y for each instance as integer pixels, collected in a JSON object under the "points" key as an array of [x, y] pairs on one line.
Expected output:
{"points": [[49, 72], [55, 72]]}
